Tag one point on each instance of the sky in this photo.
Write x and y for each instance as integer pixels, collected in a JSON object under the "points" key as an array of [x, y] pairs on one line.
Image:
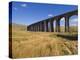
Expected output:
{"points": [[28, 13]]}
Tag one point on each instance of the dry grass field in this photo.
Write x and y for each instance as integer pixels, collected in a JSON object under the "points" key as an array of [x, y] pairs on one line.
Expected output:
{"points": [[40, 44]]}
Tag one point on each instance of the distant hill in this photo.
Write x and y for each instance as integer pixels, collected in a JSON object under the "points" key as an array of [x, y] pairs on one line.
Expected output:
{"points": [[19, 27], [71, 29]]}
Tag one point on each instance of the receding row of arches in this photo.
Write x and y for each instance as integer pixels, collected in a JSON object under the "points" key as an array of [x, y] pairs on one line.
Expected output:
{"points": [[73, 24], [67, 22]]}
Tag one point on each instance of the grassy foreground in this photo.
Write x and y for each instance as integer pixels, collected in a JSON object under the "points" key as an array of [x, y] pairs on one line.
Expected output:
{"points": [[40, 44]]}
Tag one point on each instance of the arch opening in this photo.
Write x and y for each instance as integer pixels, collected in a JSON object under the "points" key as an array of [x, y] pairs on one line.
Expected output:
{"points": [[73, 23], [48, 26], [62, 24], [54, 25]]}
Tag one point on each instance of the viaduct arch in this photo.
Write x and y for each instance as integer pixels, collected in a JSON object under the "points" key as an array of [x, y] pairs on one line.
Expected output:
{"points": [[43, 25]]}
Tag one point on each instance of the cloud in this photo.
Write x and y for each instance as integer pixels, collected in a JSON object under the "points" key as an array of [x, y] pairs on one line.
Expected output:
{"points": [[74, 22], [50, 15], [23, 5], [15, 8], [62, 19]]}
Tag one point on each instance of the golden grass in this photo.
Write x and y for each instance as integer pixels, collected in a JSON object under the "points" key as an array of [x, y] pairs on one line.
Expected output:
{"points": [[40, 44]]}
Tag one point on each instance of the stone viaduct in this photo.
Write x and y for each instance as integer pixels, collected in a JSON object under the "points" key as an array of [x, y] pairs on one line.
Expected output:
{"points": [[43, 25]]}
